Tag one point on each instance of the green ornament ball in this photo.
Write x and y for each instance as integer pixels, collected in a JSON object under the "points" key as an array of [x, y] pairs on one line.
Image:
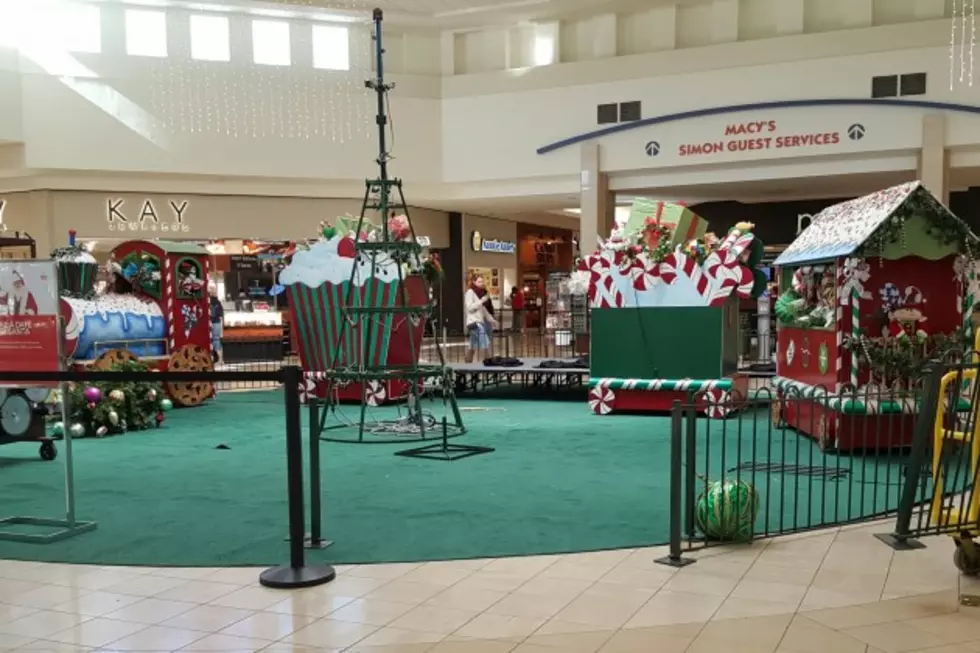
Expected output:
{"points": [[166, 404], [726, 510], [329, 232], [58, 428]]}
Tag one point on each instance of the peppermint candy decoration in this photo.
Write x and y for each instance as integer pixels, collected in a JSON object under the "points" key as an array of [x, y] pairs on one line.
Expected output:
{"points": [[601, 400], [374, 393], [307, 390], [717, 403], [645, 277]]}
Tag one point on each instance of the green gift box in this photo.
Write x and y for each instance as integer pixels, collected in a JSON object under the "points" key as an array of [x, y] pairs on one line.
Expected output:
{"points": [[684, 224]]}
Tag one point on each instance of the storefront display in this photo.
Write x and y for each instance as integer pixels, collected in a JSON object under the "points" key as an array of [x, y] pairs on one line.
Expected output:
{"points": [[545, 258]]}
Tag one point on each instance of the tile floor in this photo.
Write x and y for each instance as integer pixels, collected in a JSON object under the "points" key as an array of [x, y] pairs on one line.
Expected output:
{"points": [[838, 591]]}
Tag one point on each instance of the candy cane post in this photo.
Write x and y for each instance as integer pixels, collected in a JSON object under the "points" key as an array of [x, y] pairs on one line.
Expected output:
{"points": [[839, 315], [855, 335], [172, 342], [207, 280]]}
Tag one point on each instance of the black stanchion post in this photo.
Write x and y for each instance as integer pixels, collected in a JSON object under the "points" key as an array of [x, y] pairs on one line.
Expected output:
{"points": [[315, 539], [296, 574], [674, 558], [929, 408]]}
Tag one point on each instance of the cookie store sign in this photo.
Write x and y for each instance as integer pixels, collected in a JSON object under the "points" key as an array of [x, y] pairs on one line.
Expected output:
{"points": [[123, 215]]}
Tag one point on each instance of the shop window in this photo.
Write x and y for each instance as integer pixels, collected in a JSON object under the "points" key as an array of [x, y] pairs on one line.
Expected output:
{"points": [[607, 114], [331, 47], [884, 86], [270, 43], [189, 279], [146, 33], [210, 38], [913, 84], [629, 111]]}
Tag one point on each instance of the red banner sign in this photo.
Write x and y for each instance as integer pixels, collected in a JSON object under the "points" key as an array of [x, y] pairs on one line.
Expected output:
{"points": [[29, 329], [756, 136]]}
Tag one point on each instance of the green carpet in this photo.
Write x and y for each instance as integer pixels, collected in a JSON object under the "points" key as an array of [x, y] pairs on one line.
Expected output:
{"points": [[561, 480]]}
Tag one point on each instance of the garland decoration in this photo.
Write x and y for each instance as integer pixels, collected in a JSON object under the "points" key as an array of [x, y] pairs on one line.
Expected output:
{"points": [[942, 225], [142, 270], [901, 363], [114, 407]]}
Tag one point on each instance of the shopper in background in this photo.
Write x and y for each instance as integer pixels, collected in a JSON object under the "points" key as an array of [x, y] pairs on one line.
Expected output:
{"points": [[217, 325], [517, 307], [479, 319]]}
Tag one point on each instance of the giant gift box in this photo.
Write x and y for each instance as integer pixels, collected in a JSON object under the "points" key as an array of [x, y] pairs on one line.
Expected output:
{"points": [[683, 223]]}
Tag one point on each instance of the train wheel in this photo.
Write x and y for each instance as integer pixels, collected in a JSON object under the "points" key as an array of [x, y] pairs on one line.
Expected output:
{"points": [[111, 358], [190, 358]]}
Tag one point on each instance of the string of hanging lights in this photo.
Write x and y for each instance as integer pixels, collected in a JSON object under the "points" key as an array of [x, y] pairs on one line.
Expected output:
{"points": [[962, 43]]}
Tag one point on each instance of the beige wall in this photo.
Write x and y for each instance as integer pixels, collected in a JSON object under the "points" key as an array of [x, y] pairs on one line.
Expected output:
{"points": [[490, 229], [208, 217], [28, 213]]}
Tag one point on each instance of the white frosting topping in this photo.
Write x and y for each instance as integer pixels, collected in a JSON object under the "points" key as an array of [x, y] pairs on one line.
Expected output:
{"points": [[322, 264], [76, 257], [104, 305]]}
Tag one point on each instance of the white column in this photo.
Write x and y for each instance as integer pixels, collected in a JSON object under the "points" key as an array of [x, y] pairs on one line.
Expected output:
{"points": [[857, 13], [604, 36], [789, 17], [933, 161], [928, 9], [724, 19], [447, 53], [597, 203], [545, 49], [663, 35]]}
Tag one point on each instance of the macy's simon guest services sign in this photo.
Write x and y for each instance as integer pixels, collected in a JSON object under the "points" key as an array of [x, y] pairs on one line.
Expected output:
{"points": [[758, 135]]}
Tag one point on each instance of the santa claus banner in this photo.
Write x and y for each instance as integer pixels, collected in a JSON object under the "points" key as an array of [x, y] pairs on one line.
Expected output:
{"points": [[29, 310]]}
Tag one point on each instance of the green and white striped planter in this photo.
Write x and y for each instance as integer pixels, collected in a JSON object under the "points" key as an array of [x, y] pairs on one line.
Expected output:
{"points": [[666, 385], [848, 404]]}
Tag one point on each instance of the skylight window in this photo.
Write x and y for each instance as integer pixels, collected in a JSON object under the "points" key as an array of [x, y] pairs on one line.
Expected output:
{"points": [[331, 47], [210, 38], [270, 43], [146, 33]]}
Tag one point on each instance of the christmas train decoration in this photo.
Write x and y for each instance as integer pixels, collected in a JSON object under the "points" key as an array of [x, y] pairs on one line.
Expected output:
{"points": [[872, 290], [660, 275], [319, 282], [155, 311]]}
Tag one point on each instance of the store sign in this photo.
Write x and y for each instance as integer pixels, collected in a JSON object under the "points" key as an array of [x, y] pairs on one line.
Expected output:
{"points": [[493, 246], [759, 135], [243, 263], [545, 254], [803, 221], [147, 216]]}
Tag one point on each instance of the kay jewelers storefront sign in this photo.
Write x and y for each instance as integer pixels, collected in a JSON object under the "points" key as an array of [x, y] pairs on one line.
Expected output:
{"points": [[168, 217]]}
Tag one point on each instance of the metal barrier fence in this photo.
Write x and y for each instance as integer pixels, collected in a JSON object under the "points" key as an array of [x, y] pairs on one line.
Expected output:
{"points": [[558, 341], [789, 462], [939, 495], [295, 574]]}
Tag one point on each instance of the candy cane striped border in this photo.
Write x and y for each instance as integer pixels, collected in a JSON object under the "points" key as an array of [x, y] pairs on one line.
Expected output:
{"points": [[666, 385]]}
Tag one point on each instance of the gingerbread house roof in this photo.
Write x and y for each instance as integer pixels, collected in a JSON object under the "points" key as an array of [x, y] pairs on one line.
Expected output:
{"points": [[839, 230]]}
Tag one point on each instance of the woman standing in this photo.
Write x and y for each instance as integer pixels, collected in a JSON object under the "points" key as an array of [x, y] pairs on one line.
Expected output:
{"points": [[479, 318]]}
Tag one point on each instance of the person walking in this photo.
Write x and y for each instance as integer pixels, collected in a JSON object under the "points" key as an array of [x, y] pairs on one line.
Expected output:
{"points": [[479, 318], [217, 314]]}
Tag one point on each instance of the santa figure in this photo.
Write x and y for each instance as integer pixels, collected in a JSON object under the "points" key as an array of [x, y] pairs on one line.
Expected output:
{"points": [[905, 316], [14, 294]]}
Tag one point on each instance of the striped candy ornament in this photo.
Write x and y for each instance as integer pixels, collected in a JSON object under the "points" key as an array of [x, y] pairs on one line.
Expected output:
{"points": [[855, 334], [727, 510], [645, 274], [601, 400], [666, 385], [717, 403], [608, 295], [171, 323], [679, 263]]}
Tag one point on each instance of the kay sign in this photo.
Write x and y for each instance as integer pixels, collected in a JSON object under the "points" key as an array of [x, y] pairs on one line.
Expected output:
{"points": [[756, 136]]}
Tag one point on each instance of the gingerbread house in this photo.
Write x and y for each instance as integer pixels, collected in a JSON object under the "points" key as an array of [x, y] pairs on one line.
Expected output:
{"points": [[873, 289]]}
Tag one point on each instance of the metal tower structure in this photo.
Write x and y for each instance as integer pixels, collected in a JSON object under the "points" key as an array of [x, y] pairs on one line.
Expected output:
{"points": [[364, 316]]}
